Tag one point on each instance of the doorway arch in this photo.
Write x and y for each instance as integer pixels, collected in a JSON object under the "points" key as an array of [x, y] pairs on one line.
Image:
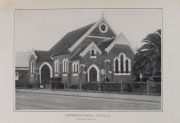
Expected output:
{"points": [[93, 73], [40, 70]]}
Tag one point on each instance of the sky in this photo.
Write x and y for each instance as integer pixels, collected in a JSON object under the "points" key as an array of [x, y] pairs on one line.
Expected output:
{"points": [[42, 29]]}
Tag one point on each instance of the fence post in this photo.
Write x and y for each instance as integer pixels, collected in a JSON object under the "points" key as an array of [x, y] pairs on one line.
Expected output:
{"points": [[64, 85], [147, 87], [50, 84], [99, 87], [121, 86], [80, 86]]}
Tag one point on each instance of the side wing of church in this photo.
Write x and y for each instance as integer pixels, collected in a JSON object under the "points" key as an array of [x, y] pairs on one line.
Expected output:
{"points": [[93, 53]]}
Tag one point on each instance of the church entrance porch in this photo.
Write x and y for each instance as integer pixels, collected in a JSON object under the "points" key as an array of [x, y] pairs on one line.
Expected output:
{"points": [[45, 72], [45, 77], [93, 73]]}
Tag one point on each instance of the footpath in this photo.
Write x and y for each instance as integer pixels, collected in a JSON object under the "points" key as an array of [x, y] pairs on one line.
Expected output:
{"points": [[131, 97]]}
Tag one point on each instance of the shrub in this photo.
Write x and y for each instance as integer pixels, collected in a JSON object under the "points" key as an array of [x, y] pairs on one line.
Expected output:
{"points": [[112, 87], [57, 85], [74, 87], [128, 88], [139, 87], [155, 88], [90, 86], [156, 78], [29, 85]]}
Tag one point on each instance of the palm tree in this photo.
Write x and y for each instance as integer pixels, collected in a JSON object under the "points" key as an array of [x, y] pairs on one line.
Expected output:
{"points": [[148, 59]]}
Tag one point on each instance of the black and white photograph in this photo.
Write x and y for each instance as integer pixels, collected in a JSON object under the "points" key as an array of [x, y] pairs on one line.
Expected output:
{"points": [[97, 61], [88, 59]]}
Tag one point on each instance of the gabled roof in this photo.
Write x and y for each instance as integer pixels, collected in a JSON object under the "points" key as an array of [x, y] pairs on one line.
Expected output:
{"points": [[22, 59], [68, 40], [43, 55], [87, 41], [76, 54], [121, 39], [88, 32], [89, 47], [103, 45]]}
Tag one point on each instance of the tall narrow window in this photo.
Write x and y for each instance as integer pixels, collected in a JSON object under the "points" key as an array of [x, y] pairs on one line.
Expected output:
{"points": [[92, 53], [116, 66], [32, 67], [74, 70], [64, 66], [127, 66], [55, 66], [122, 64], [58, 67], [77, 68], [67, 67]]}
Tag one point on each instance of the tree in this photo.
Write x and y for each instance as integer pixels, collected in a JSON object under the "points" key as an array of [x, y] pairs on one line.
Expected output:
{"points": [[148, 58]]}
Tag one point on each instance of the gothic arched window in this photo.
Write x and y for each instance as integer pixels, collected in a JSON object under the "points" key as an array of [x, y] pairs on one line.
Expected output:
{"points": [[77, 67], [116, 66], [74, 66], [127, 66], [122, 63], [92, 53]]}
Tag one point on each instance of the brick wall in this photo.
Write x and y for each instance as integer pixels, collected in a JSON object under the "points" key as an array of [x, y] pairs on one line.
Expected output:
{"points": [[114, 52], [97, 32]]}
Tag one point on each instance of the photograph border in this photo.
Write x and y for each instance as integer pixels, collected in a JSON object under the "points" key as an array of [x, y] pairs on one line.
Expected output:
{"points": [[78, 111]]}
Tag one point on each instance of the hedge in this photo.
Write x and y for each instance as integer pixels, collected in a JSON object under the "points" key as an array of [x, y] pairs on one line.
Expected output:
{"points": [[90, 86], [153, 87], [74, 86], [57, 85]]}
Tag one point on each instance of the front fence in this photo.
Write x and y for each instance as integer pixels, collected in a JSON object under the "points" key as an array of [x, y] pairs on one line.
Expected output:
{"points": [[124, 87], [112, 87]]}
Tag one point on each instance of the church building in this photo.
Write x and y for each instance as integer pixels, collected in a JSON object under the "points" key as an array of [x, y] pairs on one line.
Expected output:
{"points": [[93, 53]]}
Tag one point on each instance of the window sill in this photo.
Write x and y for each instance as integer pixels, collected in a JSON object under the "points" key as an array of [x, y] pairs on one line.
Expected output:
{"points": [[92, 56], [122, 74], [64, 74], [75, 74], [56, 74]]}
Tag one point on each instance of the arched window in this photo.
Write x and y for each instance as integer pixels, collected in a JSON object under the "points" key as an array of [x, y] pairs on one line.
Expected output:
{"points": [[56, 66], [122, 63], [127, 66], [116, 66], [74, 68], [32, 67], [64, 65], [77, 67], [67, 65], [92, 53]]}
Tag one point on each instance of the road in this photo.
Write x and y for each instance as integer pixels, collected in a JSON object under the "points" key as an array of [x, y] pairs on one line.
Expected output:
{"points": [[32, 101]]}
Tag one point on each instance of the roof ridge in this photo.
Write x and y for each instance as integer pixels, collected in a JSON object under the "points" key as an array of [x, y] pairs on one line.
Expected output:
{"points": [[75, 53], [81, 27], [105, 40], [62, 46]]}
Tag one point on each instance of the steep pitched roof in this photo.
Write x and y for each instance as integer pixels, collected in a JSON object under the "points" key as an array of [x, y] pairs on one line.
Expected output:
{"points": [[103, 45], [123, 48], [76, 54], [93, 28], [68, 40], [121, 39], [22, 59], [84, 44], [43, 55]]}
